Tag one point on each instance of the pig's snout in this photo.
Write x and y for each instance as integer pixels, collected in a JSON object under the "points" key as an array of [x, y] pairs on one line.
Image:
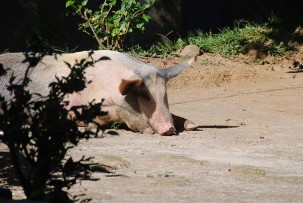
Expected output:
{"points": [[163, 127]]}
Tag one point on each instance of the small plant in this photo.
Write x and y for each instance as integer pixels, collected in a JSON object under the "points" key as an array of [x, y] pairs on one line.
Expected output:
{"points": [[38, 132], [115, 125], [112, 21], [168, 174]]}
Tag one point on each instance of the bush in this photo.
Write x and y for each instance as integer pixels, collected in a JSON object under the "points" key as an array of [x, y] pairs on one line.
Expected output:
{"points": [[38, 133]]}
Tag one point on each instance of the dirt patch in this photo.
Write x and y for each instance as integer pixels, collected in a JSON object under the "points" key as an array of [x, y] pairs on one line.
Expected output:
{"points": [[248, 147], [214, 71]]}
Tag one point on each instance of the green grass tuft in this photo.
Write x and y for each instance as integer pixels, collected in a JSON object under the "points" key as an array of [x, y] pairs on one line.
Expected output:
{"points": [[242, 38]]}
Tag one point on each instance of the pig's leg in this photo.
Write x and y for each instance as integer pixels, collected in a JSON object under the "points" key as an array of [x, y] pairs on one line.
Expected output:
{"points": [[135, 122], [183, 124]]}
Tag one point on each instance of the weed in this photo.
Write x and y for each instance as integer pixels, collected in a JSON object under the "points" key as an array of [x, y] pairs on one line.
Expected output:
{"points": [[203, 62], [115, 125], [168, 174]]}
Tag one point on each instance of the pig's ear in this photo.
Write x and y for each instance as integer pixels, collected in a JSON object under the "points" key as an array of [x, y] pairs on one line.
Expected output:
{"points": [[129, 84], [173, 71]]}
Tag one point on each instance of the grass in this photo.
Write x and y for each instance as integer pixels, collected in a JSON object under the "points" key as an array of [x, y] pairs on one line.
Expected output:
{"points": [[162, 49], [273, 37]]}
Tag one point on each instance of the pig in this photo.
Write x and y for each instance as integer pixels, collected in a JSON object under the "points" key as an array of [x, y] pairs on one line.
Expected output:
{"points": [[134, 92]]}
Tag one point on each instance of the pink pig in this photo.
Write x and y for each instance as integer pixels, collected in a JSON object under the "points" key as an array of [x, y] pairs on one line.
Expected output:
{"points": [[134, 92]]}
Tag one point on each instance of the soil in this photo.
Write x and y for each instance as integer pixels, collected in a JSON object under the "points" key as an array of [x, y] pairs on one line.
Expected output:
{"points": [[248, 147]]}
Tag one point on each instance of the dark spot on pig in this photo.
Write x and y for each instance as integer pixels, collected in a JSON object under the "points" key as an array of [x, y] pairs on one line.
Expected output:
{"points": [[145, 95], [132, 100], [134, 93], [91, 52], [2, 70], [103, 58], [143, 92]]}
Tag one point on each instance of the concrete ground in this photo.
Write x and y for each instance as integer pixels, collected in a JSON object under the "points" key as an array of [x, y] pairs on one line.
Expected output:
{"points": [[248, 149]]}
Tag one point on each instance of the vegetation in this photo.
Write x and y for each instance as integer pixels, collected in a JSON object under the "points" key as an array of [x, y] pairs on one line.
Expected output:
{"points": [[110, 25], [39, 132], [272, 37]]}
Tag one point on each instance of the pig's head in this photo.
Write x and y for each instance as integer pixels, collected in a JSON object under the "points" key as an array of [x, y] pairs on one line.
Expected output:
{"points": [[146, 92]]}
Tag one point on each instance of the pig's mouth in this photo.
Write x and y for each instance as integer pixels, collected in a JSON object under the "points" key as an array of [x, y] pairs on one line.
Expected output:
{"points": [[164, 128], [170, 131]]}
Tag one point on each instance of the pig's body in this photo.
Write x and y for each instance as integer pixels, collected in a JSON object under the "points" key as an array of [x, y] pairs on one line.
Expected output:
{"points": [[134, 92]]}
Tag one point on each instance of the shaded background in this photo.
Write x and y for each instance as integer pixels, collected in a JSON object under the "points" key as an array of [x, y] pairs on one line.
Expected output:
{"points": [[42, 21]]}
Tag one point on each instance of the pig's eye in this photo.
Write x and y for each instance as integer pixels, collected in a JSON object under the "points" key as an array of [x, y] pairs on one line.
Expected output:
{"points": [[144, 96]]}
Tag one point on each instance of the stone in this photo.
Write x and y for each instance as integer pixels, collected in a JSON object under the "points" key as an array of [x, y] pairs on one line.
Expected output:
{"points": [[190, 51]]}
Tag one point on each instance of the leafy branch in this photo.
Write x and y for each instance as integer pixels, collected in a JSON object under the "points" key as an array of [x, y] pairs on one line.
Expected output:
{"points": [[111, 23]]}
